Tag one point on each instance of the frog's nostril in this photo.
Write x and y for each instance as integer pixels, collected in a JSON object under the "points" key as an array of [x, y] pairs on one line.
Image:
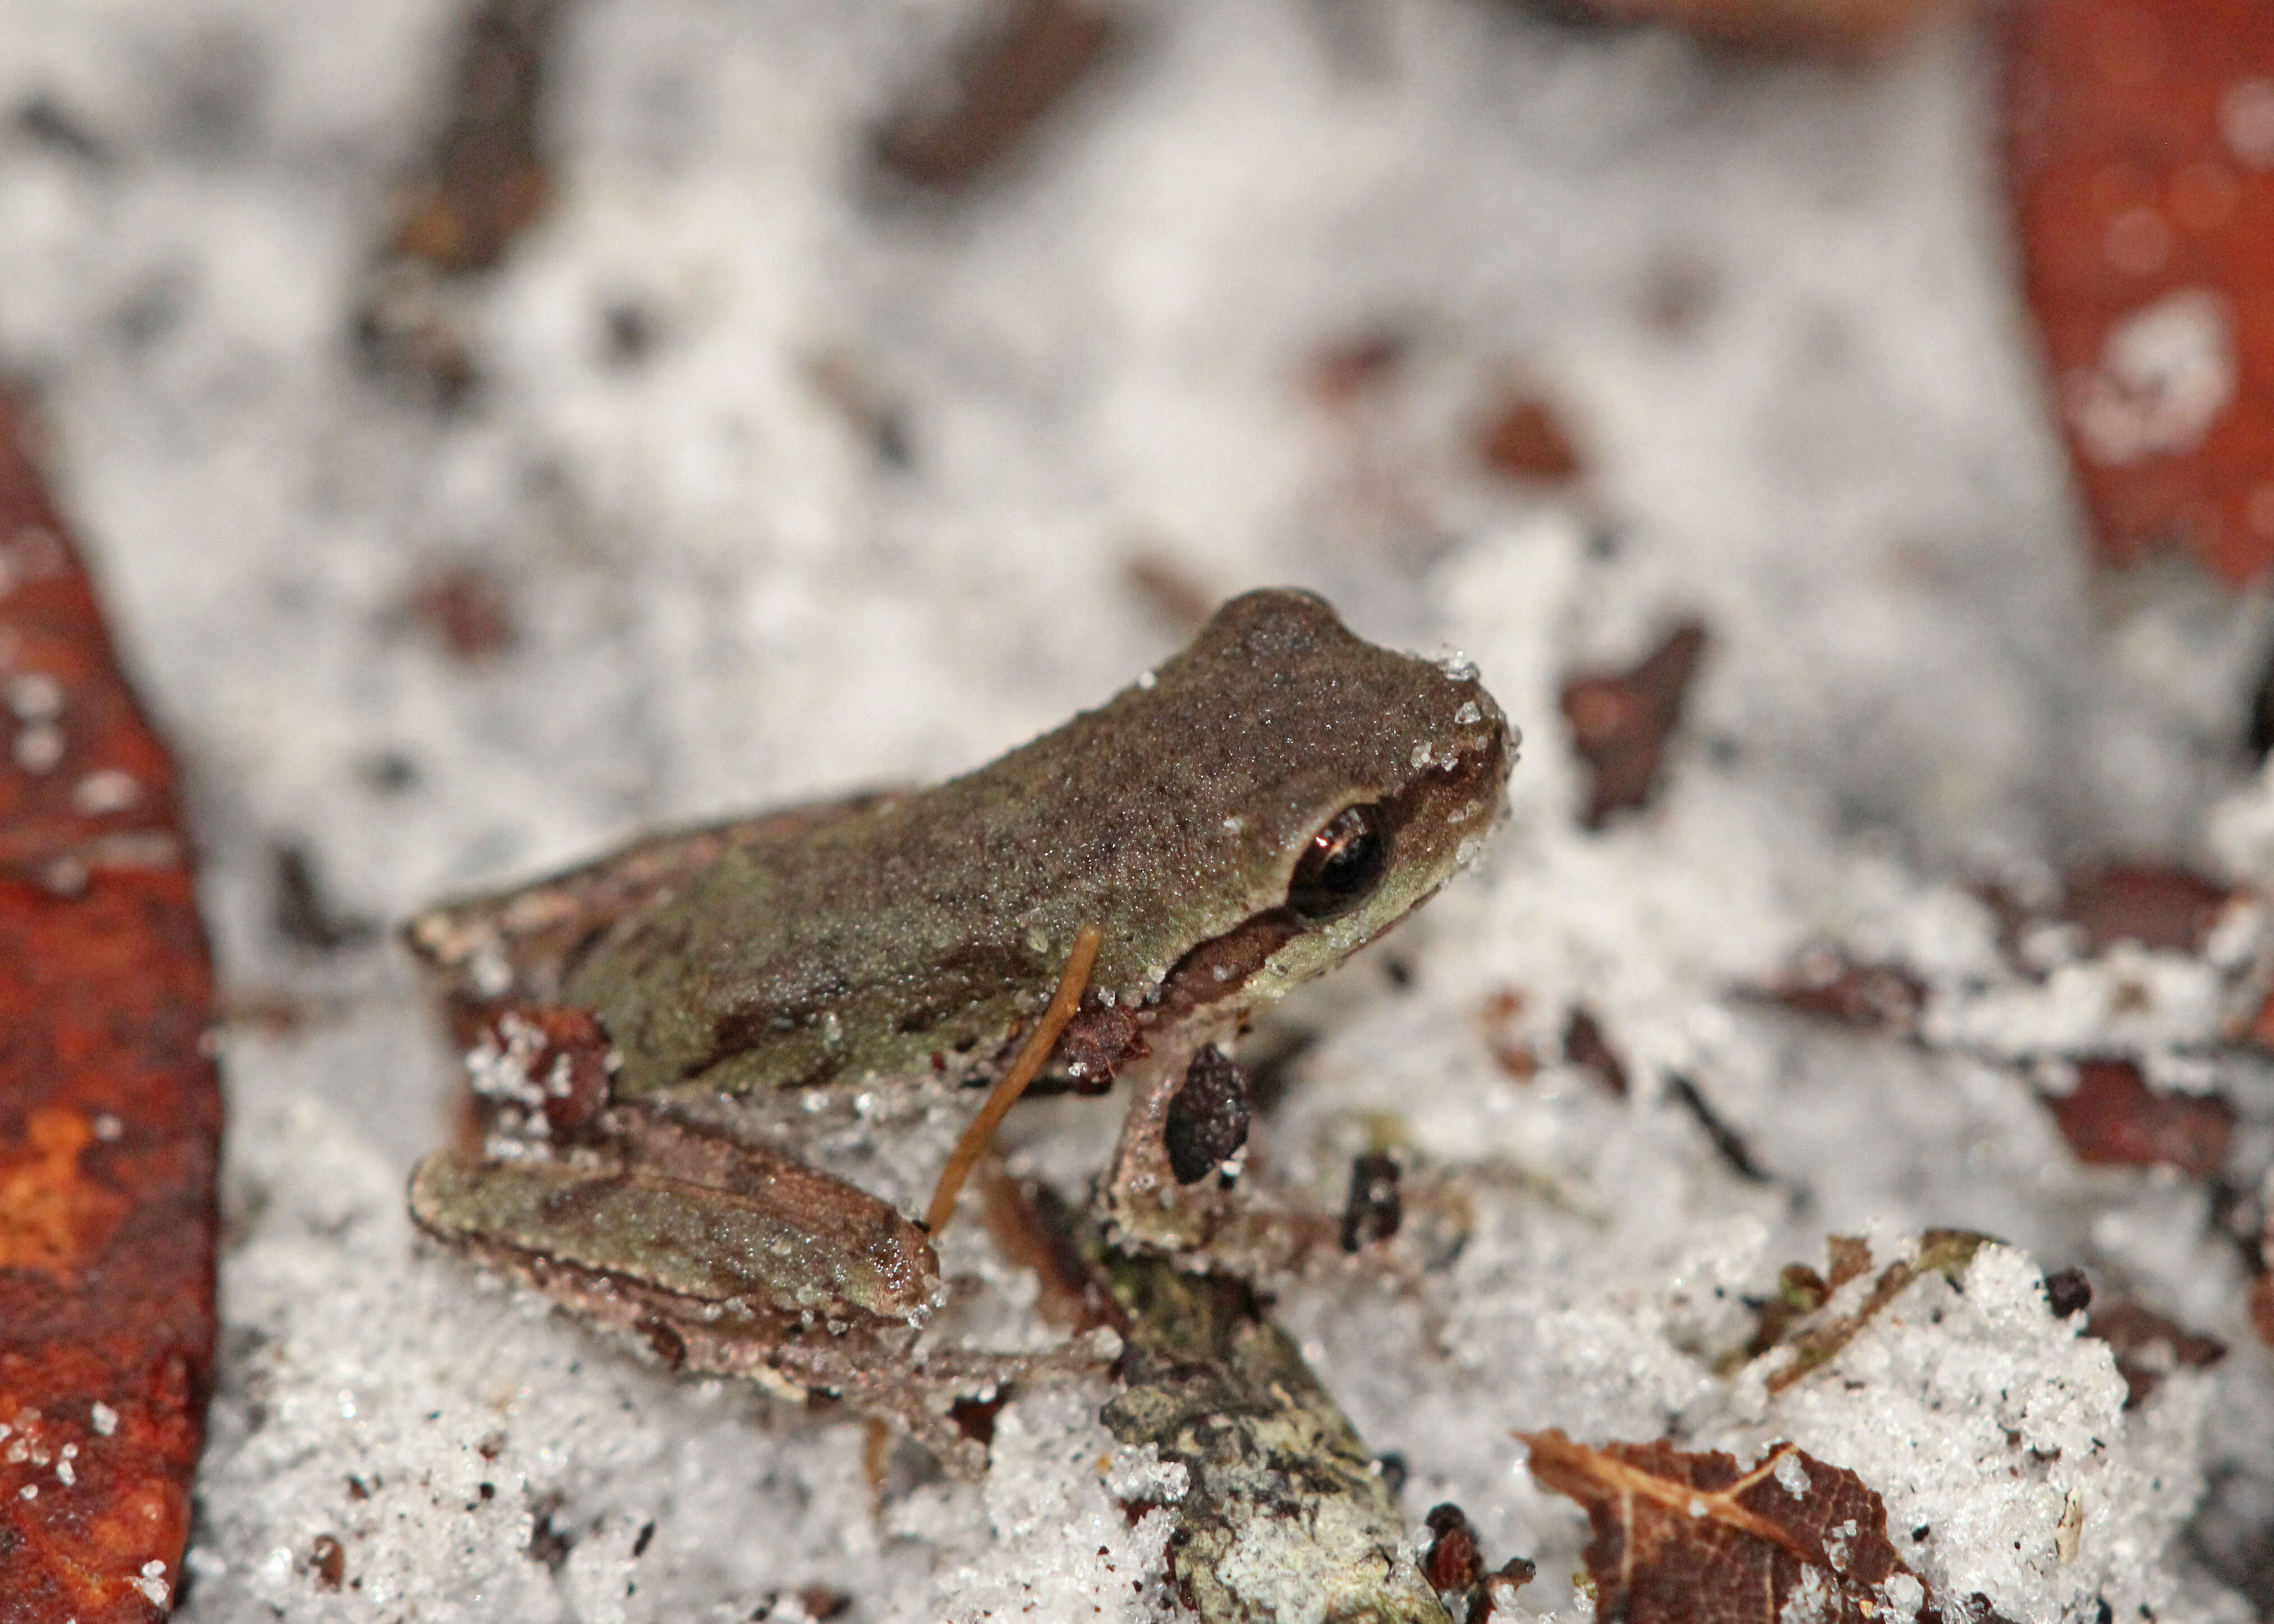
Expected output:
{"points": [[1343, 865]]}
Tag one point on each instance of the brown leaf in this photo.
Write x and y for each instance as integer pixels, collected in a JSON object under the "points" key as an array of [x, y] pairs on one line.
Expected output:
{"points": [[466, 609], [1346, 371], [483, 181], [1620, 721], [2113, 1118], [2148, 1346], [972, 114], [1828, 984], [1694, 1539], [1585, 1045], [1498, 1021], [110, 1113], [2167, 909], [1375, 1208], [1524, 439], [1454, 1560], [2141, 160]]}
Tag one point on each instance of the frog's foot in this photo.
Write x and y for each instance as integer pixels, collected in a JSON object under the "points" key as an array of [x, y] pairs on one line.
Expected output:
{"points": [[1179, 1185], [943, 1399], [729, 1260], [1173, 1183]]}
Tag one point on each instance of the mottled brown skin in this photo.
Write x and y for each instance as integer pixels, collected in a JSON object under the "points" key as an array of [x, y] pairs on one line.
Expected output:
{"points": [[906, 941], [1170, 817]]}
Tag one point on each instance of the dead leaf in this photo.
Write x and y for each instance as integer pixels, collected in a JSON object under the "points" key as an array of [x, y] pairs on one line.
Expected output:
{"points": [[973, 112], [1684, 1538], [109, 1112], [2164, 909], [1828, 984], [1620, 721], [2113, 1118], [1585, 1045], [466, 609], [1523, 438], [2141, 160], [483, 180], [2148, 1346]]}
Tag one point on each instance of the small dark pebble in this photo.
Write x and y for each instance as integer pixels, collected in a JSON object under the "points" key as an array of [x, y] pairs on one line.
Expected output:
{"points": [[2068, 1292]]}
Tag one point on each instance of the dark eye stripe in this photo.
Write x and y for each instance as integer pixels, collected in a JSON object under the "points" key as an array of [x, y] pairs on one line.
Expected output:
{"points": [[1343, 865]]}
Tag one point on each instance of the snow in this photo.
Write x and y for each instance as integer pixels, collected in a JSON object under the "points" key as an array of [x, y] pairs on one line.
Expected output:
{"points": [[1835, 455]]}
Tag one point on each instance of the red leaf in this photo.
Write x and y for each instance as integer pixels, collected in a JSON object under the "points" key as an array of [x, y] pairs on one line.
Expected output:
{"points": [[2112, 1116], [109, 1111], [2167, 909], [2141, 155], [1683, 1538]]}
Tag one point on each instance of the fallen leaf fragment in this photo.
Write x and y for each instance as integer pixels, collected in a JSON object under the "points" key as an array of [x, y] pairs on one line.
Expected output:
{"points": [[975, 111], [1620, 721], [1688, 1538], [2141, 160], [109, 1112], [2148, 1346], [2164, 909], [466, 610], [483, 181], [1524, 439], [1498, 1021], [1828, 984], [2113, 1118], [1585, 1045]]}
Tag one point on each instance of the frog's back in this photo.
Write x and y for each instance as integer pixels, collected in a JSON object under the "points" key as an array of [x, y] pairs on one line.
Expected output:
{"points": [[912, 937]]}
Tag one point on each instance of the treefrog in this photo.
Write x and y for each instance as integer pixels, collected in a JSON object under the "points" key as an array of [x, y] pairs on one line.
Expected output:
{"points": [[1249, 814]]}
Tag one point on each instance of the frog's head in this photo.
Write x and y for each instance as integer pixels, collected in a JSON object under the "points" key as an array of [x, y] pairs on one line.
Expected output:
{"points": [[1331, 787]]}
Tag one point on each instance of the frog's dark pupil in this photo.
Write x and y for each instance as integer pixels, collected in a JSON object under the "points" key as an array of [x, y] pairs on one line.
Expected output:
{"points": [[1346, 861]]}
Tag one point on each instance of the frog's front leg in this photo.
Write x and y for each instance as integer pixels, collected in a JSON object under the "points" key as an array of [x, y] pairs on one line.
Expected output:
{"points": [[1171, 1185], [727, 1258]]}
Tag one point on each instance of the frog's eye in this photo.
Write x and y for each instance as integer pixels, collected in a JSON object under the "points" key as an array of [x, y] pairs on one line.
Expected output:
{"points": [[1343, 864]]}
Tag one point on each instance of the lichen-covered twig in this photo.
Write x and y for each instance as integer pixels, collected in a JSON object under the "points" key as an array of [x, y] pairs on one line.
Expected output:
{"points": [[1286, 1515]]}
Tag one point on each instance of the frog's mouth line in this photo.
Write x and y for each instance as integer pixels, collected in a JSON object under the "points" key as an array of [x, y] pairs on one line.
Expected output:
{"points": [[1219, 967]]}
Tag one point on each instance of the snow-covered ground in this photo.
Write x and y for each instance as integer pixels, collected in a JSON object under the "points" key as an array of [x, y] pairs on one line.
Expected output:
{"points": [[1774, 304]]}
